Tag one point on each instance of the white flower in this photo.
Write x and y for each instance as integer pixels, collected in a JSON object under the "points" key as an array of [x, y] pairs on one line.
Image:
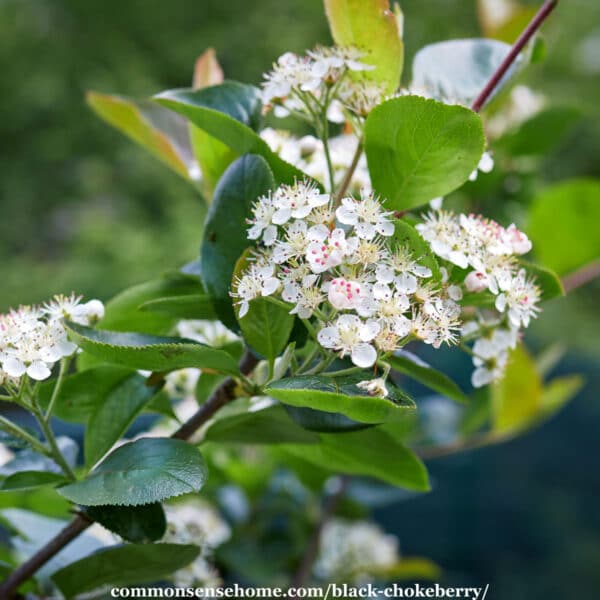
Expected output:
{"points": [[330, 63], [329, 253], [306, 295], [344, 294], [490, 355], [486, 165], [263, 210], [296, 201], [374, 387], [289, 72], [443, 232], [520, 300], [350, 335], [71, 309], [212, 333], [298, 236], [366, 216], [258, 281]]}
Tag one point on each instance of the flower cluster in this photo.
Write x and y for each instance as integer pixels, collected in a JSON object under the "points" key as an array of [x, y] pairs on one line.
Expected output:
{"points": [[368, 294], [354, 551], [33, 339], [342, 268], [196, 522], [487, 252], [304, 85]]}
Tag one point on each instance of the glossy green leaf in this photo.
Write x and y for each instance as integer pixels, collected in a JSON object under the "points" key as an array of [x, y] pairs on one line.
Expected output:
{"points": [[141, 472], [373, 28], [323, 422], [112, 418], [270, 425], [190, 306], [568, 212], [225, 232], [457, 70], [409, 364], [123, 565], [540, 134], [341, 395], [558, 392], [27, 480], [420, 149], [123, 312], [137, 524], [152, 127], [371, 452], [82, 393], [517, 397], [405, 235], [140, 351], [230, 113], [548, 281], [266, 328]]}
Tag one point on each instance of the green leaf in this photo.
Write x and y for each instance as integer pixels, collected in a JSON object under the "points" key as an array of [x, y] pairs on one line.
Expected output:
{"points": [[113, 417], [566, 212], [191, 306], [374, 29], [406, 235], [420, 149], [155, 129], [341, 395], [141, 472], [82, 392], [458, 70], [540, 134], [323, 422], [266, 328], [558, 392], [137, 524], [140, 351], [547, 280], [225, 231], [371, 452], [28, 480], [123, 312], [517, 397], [123, 565], [411, 365], [269, 425], [229, 112]]}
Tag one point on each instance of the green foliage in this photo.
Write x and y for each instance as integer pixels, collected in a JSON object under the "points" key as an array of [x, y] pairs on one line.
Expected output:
{"points": [[114, 415], [409, 364], [137, 524], [405, 235], [548, 281], [270, 425], [420, 149], [323, 422], [568, 213], [141, 351], [27, 480], [123, 565], [374, 29], [152, 127], [141, 472], [191, 306], [341, 395], [225, 236], [230, 113], [371, 452]]}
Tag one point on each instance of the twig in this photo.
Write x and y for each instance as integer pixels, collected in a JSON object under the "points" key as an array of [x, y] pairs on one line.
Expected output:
{"points": [[312, 549], [524, 38], [221, 396], [579, 278], [349, 173], [22, 573]]}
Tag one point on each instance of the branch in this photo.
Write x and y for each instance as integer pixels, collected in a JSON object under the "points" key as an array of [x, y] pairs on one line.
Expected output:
{"points": [[524, 38], [312, 549], [221, 396], [579, 278]]}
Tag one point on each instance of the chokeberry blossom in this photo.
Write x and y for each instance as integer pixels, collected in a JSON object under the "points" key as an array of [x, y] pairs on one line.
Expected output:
{"points": [[33, 338], [340, 267]]}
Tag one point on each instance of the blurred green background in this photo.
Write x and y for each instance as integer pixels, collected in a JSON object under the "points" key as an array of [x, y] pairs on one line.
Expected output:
{"points": [[84, 209]]}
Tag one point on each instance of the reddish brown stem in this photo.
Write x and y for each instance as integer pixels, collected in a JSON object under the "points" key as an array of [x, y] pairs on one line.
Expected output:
{"points": [[582, 276], [523, 40]]}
